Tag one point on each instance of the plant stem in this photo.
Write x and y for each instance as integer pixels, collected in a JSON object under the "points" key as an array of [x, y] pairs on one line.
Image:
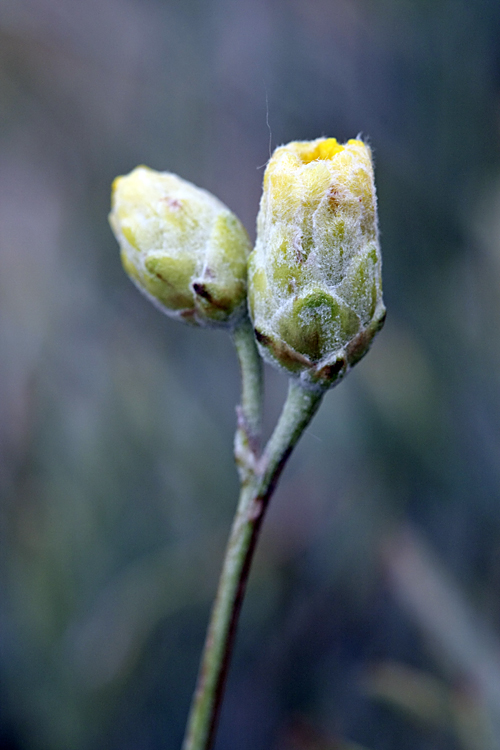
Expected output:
{"points": [[258, 484], [249, 412], [251, 376]]}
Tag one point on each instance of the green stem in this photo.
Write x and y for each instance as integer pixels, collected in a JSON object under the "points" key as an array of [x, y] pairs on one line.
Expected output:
{"points": [[247, 437], [257, 488], [300, 407], [251, 375]]}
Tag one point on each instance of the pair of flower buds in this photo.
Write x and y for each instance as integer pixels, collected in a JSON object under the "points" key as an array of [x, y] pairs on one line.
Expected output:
{"points": [[312, 284]]}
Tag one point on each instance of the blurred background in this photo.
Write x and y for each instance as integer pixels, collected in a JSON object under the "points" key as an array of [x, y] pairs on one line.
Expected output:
{"points": [[372, 619]]}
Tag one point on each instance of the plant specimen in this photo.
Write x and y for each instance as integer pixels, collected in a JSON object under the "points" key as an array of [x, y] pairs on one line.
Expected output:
{"points": [[307, 299]]}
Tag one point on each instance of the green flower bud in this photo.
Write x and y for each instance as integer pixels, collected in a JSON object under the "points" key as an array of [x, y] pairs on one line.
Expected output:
{"points": [[183, 248], [314, 278]]}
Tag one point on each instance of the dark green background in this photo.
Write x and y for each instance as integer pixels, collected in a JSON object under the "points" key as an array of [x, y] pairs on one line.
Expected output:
{"points": [[373, 611]]}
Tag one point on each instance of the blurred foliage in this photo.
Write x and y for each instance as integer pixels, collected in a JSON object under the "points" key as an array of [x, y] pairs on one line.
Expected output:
{"points": [[116, 424]]}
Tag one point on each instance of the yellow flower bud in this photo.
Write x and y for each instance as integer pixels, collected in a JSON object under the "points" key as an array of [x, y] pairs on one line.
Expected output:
{"points": [[315, 288], [183, 248]]}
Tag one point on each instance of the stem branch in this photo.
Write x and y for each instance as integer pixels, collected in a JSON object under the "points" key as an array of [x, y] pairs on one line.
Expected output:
{"points": [[251, 378], [258, 483]]}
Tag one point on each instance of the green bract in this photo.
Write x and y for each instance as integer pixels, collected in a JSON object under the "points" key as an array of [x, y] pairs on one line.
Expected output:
{"points": [[315, 290], [182, 247]]}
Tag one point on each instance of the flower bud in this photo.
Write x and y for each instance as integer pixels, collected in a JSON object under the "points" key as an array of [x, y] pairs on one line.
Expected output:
{"points": [[183, 248], [315, 288]]}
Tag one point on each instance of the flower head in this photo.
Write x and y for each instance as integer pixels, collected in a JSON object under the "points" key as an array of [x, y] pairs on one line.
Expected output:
{"points": [[183, 248], [315, 292]]}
